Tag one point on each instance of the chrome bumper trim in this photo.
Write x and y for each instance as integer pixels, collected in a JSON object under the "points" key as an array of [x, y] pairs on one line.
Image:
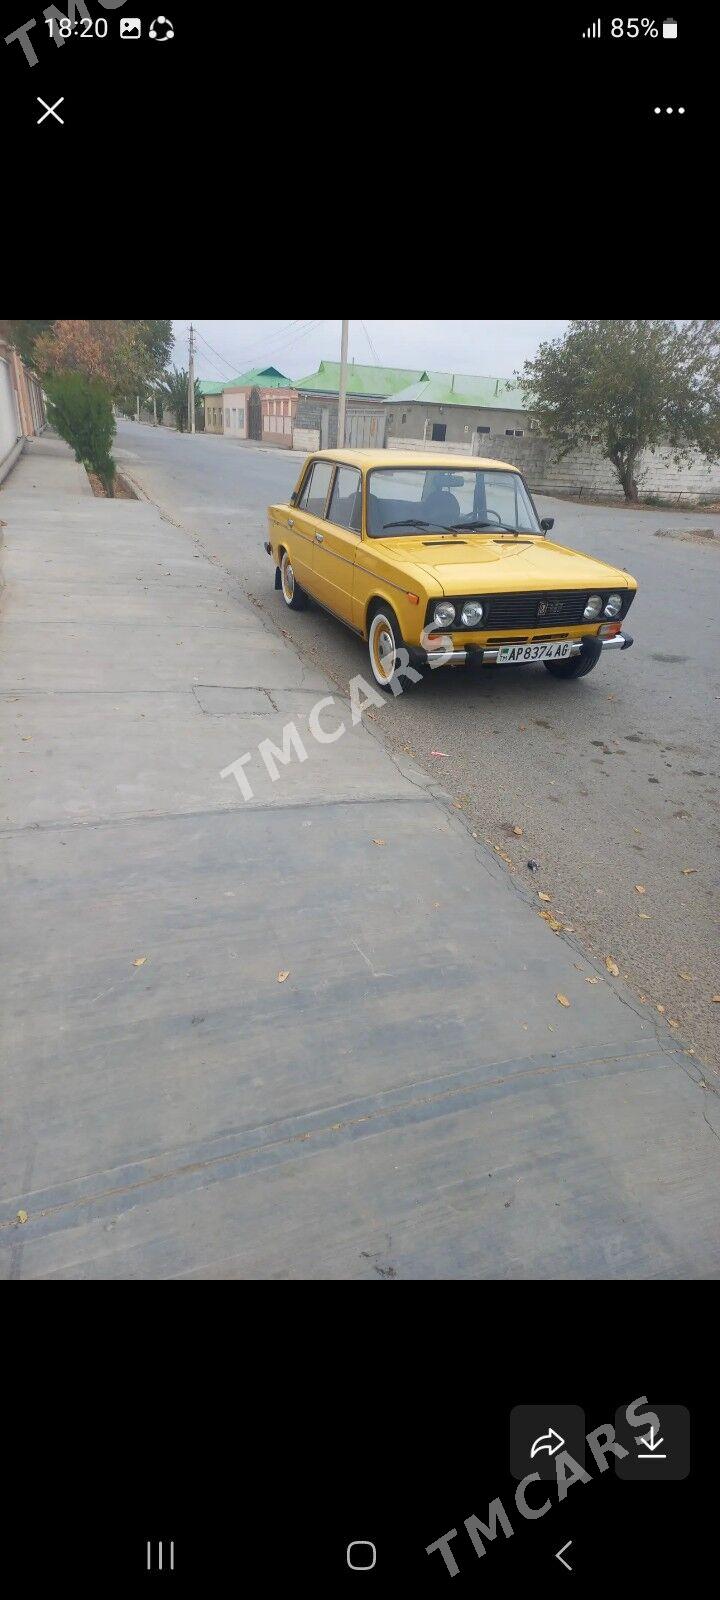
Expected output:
{"points": [[439, 658], [621, 641]]}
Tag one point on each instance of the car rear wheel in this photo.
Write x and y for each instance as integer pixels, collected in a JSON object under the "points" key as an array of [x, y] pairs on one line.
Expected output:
{"points": [[577, 666], [292, 594], [384, 641]]}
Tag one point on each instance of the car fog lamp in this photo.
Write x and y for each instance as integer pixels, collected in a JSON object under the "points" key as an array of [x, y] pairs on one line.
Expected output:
{"points": [[593, 607], [471, 613], [444, 614]]}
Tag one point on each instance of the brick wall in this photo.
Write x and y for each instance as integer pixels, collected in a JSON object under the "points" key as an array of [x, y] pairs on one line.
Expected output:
{"points": [[306, 439], [587, 471]]}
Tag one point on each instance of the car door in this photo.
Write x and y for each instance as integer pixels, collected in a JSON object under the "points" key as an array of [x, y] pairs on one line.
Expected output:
{"points": [[306, 518], [337, 541]]}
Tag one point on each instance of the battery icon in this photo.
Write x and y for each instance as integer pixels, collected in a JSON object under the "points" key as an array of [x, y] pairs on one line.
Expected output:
{"points": [[669, 28]]}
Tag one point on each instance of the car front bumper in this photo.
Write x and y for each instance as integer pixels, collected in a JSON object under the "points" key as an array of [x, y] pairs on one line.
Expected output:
{"points": [[484, 655]]}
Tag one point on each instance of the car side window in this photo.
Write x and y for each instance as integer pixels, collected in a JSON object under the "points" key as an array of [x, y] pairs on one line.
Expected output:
{"points": [[315, 488], [346, 500]]}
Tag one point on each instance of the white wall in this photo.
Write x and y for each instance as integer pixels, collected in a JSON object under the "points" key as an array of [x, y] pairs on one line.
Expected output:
{"points": [[235, 401], [9, 419]]}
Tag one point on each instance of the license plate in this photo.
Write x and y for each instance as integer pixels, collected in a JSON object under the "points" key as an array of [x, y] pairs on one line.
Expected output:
{"points": [[557, 650]]}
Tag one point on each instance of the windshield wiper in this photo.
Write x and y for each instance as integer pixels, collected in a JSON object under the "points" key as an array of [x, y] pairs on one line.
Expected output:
{"points": [[467, 527], [415, 522]]}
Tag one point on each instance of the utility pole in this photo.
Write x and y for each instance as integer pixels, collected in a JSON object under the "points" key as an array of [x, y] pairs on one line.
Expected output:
{"points": [[343, 386], [191, 382]]}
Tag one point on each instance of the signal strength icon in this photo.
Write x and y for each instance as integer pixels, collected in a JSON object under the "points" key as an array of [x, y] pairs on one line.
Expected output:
{"points": [[593, 32]]}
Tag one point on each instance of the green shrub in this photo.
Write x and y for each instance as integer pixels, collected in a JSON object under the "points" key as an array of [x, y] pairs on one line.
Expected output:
{"points": [[80, 409]]}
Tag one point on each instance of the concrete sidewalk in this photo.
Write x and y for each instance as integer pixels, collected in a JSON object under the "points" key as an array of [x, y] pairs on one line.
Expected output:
{"points": [[412, 1101]]}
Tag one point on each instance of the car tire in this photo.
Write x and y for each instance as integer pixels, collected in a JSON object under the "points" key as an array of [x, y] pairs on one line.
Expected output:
{"points": [[292, 594], [384, 639], [576, 666]]}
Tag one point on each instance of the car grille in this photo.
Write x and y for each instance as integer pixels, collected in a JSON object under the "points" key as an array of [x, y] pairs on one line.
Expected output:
{"points": [[521, 610]]}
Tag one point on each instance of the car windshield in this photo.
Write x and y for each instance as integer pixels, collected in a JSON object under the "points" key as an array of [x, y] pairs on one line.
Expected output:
{"points": [[447, 501]]}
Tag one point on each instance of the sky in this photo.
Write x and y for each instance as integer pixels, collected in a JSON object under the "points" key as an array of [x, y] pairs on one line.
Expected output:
{"points": [[487, 349]]}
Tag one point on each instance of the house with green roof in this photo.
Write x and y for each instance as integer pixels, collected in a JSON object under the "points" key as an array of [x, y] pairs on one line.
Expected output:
{"points": [[260, 404], [212, 404], [457, 409], [367, 390], [410, 408]]}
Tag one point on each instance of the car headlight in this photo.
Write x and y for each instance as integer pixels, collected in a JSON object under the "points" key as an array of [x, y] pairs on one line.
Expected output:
{"points": [[472, 613], [614, 605], [593, 607], [444, 614]]}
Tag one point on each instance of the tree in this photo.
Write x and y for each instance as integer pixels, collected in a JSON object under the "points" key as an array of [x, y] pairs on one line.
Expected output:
{"points": [[23, 336], [80, 410], [112, 352], [175, 395], [631, 386], [157, 340]]}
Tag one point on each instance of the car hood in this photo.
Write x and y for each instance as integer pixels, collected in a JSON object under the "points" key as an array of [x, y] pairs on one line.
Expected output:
{"points": [[480, 563]]}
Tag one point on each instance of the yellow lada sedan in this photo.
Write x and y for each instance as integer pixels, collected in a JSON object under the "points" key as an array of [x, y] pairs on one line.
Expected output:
{"points": [[445, 557]]}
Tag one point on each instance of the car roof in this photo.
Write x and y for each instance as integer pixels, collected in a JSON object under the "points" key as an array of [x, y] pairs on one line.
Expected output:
{"points": [[408, 458]]}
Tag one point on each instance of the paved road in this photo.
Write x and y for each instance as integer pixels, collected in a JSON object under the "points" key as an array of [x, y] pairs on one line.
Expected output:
{"points": [[614, 779], [415, 1098]]}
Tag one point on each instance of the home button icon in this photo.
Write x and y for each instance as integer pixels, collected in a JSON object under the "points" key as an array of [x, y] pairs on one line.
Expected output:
{"points": [[361, 1555]]}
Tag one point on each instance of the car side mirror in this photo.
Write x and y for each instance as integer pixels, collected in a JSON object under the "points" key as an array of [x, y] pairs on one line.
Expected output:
{"points": [[547, 523]]}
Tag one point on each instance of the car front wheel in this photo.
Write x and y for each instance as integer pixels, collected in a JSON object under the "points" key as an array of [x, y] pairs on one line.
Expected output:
{"points": [[384, 641], [577, 666], [292, 594]]}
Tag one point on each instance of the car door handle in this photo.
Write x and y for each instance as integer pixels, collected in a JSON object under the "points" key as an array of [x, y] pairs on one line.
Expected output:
{"points": [[319, 537]]}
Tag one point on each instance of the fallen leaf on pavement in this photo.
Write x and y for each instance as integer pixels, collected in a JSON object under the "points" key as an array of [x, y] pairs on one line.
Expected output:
{"points": [[139, 961], [716, 999], [643, 999], [612, 966], [379, 841], [672, 1024], [661, 1009], [645, 915], [22, 1216], [639, 888], [687, 871], [438, 752], [563, 999], [687, 976], [543, 896], [518, 832], [596, 979], [282, 976]]}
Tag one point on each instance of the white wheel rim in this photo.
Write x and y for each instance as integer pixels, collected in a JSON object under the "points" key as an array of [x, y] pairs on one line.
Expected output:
{"points": [[287, 577], [382, 649]]}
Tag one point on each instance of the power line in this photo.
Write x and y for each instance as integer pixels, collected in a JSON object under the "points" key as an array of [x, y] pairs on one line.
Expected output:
{"points": [[267, 343], [229, 364], [373, 351], [288, 345]]}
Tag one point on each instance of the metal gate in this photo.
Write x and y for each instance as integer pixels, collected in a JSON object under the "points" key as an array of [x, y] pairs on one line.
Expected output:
{"points": [[254, 414], [365, 429]]}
